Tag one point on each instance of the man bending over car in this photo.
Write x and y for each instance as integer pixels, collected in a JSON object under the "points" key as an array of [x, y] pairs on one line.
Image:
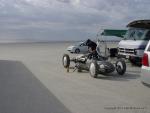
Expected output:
{"points": [[92, 49]]}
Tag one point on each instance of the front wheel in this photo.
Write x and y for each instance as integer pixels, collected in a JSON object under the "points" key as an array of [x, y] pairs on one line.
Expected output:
{"points": [[66, 61], [120, 66], [93, 69]]}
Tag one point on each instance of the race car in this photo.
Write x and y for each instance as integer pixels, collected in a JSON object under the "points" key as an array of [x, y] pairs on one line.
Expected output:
{"points": [[95, 66]]}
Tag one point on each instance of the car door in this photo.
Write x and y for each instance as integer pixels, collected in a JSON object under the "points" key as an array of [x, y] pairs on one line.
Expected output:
{"points": [[83, 47], [145, 71]]}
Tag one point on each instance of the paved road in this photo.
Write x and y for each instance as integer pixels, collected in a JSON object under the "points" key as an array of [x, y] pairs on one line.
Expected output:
{"points": [[78, 92], [22, 92]]}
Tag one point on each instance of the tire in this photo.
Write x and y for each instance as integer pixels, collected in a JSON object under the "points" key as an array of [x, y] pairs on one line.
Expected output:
{"points": [[120, 66], [93, 69], [136, 61], [113, 52], [77, 51], [66, 61]]}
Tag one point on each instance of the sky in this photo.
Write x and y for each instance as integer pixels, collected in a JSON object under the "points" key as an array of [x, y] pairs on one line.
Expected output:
{"points": [[46, 20]]}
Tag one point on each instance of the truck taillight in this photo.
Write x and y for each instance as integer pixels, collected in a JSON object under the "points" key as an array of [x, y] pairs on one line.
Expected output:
{"points": [[145, 61]]}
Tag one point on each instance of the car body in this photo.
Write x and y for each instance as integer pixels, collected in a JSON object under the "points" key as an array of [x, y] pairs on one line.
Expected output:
{"points": [[79, 47], [94, 64], [145, 71]]}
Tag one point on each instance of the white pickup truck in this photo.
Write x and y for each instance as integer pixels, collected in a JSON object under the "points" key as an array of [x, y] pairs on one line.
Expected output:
{"points": [[135, 40]]}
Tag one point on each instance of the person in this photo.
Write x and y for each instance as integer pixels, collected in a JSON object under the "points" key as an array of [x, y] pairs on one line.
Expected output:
{"points": [[92, 54], [91, 45], [92, 49]]}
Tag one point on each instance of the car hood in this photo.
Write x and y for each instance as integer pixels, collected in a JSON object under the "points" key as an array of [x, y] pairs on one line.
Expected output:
{"points": [[133, 44], [72, 46]]}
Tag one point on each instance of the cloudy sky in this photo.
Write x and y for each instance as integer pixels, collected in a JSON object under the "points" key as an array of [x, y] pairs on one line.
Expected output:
{"points": [[66, 19]]}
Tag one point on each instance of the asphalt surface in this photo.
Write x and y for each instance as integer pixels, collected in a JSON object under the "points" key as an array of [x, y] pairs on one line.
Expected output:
{"points": [[33, 80], [21, 92]]}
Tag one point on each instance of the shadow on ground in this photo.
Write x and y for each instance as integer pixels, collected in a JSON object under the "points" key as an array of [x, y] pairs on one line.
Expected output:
{"points": [[129, 75], [22, 92], [115, 77], [145, 84]]}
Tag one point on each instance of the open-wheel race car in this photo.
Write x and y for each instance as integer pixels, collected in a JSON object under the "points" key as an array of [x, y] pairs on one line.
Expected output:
{"points": [[94, 63]]}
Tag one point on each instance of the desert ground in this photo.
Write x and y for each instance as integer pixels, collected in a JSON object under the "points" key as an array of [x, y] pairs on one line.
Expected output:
{"points": [[33, 80]]}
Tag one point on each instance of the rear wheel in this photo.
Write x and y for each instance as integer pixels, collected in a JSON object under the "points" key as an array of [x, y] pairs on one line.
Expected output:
{"points": [[120, 66], [93, 69], [77, 51], [66, 61]]}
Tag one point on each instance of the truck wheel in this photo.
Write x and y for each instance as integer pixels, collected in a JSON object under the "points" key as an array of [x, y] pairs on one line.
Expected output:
{"points": [[135, 61], [66, 61], [77, 51], [93, 69], [120, 66], [113, 52]]}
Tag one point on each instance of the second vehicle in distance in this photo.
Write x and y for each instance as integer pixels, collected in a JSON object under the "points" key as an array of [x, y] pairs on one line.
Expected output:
{"points": [[79, 47]]}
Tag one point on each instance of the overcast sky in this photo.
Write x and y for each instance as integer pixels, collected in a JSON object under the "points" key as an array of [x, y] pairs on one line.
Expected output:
{"points": [[66, 19]]}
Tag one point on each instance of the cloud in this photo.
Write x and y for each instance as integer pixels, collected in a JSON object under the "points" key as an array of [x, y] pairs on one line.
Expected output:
{"points": [[66, 19]]}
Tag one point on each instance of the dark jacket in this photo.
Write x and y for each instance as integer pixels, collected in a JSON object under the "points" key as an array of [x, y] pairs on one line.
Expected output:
{"points": [[91, 44]]}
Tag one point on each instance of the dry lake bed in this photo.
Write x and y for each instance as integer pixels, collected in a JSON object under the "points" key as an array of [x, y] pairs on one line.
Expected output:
{"points": [[33, 80]]}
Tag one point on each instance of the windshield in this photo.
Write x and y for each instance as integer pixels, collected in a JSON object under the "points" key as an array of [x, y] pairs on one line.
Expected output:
{"points": [[137, 34], [78, 44]]}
